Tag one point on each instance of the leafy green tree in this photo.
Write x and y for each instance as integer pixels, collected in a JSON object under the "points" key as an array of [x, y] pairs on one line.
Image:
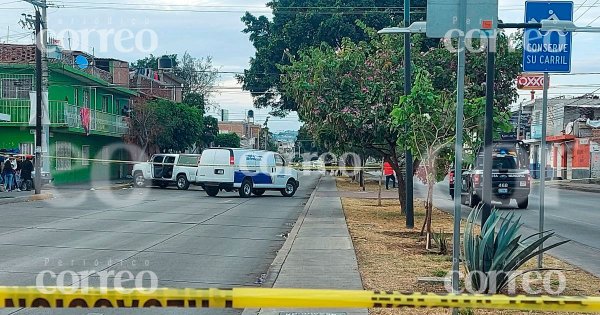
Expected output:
{"points": [[195, 100], [345, 96], [181, 126], [307, 143], [431, 114], [227, 140], [301, 24], [211, 130]]}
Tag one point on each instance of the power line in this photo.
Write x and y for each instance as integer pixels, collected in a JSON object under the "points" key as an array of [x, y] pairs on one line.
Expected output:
{"points": [[586, 11]]}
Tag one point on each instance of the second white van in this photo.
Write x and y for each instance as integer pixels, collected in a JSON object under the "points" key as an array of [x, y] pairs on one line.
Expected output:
{"points": [[247, 171]]}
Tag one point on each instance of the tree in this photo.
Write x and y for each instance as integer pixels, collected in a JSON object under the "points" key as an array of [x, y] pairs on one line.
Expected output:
{"points": [[345, 97], [211, 130], [431, 114], [164, 126], [307, 143], [441, 63], [144, 126], [227, 140], [300, 24], [195, 100], [182, 126], [199, 75]]}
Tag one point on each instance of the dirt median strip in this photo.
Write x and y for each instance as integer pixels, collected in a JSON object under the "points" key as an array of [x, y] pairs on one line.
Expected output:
{"points": [[391, 257]]}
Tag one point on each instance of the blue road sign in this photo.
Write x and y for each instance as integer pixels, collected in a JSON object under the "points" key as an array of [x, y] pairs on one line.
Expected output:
{"points": [[547, 51]]}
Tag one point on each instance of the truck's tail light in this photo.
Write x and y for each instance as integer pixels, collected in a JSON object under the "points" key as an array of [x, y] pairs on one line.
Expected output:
{"points": [[231, 160], [476, 179]]}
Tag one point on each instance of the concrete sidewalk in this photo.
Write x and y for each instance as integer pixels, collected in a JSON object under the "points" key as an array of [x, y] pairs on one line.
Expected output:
{"points": [[319, 253], [49, 191]]}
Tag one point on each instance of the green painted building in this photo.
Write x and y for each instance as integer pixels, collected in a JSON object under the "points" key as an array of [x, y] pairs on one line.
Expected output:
{"points": [[86, 114]]}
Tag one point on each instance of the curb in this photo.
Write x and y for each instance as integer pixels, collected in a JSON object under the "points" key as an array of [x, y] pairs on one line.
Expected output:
{"points": [[277, 264], [44, 196], [114, 187]]}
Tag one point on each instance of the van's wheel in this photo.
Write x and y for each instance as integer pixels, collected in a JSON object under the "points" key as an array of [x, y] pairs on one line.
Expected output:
{"points": [[259, 192], [138, 180], [523, 203], [182, 182], [211, 191], [246, 188], [290, 188]]}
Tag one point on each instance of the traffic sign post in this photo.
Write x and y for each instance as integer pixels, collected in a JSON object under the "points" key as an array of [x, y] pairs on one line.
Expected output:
{"points": [[547, 52]]}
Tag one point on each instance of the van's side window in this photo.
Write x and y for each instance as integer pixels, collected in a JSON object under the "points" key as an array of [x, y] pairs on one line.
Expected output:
{"points": [[279, 160]]}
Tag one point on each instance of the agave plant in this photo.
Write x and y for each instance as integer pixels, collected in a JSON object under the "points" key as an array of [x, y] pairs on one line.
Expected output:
{"points": [[493, 256]]}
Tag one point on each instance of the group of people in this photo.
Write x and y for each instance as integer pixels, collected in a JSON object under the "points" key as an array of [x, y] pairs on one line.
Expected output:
{"points": [[16, 173]]}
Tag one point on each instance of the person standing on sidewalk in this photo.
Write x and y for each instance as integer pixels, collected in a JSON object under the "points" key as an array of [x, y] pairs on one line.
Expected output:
{"points": [[26, 170], [388, 171], [8, 173]]}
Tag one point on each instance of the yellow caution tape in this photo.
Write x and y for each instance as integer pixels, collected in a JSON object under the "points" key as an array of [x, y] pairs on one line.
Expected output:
{"points": [[11, 297]]}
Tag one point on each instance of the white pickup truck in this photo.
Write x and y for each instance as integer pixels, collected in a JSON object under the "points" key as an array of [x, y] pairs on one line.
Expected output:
{"points": [[165, 169]]}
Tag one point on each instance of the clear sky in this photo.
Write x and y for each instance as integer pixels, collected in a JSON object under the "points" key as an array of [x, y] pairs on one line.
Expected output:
{"points": [[213, 28]]}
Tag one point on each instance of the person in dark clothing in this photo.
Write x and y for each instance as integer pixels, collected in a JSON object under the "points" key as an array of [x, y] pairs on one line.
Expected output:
{"points": [[9, 174], [26, 170]]}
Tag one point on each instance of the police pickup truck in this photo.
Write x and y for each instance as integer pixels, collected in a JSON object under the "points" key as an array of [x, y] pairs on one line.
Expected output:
{"points": [[509, 179], [165, 169]]}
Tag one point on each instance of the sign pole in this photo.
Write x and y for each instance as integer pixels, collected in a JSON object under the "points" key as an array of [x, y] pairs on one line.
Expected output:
{"points": [[410, 212], [460, 98], [543, 163], [489, 130]]}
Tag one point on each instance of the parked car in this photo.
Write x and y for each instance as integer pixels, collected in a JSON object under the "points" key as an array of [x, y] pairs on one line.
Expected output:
{"points": [[166, 169], [247, 171], [509, 180]]}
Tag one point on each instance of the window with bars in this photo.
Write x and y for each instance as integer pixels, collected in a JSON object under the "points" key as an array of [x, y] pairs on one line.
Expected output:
{"points": [[16, 88], [105, 102], [27, 148], [63, 156]]}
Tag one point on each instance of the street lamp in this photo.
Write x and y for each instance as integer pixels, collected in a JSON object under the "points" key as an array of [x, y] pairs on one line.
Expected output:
{"points": [[416, 27], [567, 26]]}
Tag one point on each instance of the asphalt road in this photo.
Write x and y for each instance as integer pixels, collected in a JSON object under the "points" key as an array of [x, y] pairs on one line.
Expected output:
{"points": [[573, 215], [185, 237]]}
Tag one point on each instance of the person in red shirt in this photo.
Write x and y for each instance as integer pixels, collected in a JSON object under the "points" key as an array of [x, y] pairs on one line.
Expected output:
{"points": [[388, 171]]}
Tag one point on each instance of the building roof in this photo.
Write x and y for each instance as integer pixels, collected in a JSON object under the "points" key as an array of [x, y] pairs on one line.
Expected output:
{"points": [[74, 73]]}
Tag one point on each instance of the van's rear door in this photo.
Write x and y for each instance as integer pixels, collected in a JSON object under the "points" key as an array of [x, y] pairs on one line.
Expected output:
{"points": [[215, 166]]}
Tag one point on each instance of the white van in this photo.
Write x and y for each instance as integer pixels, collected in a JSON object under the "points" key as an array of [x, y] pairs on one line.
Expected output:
{"points": [[247, 171]]}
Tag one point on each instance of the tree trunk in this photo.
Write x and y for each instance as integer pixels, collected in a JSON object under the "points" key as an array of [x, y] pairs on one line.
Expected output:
{"points": [[429, 212]]}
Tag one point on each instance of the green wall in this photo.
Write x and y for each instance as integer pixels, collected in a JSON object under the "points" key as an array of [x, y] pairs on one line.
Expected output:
{"points": [[11, 137]]}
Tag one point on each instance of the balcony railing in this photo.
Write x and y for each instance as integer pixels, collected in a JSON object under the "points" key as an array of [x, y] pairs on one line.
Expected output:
{"points": [[63, 114]]}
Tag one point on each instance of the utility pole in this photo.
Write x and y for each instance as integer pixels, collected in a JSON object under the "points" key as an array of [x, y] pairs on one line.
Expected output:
{"points": [[38, 105], [41, 86], [410, 216], [45, 83]]}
